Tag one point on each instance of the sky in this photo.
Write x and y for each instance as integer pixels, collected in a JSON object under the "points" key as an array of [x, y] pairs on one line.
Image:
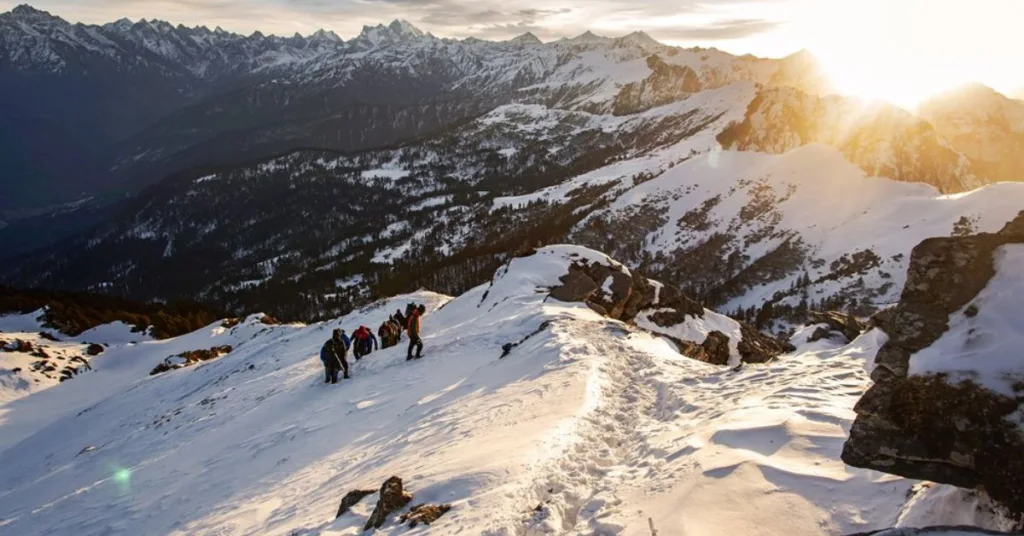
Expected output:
{"points": [[886, 47]]}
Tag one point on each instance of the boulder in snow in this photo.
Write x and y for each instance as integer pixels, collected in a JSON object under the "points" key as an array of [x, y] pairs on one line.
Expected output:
{"points": [[843, 323], [392, 498], [424, 513], [948, 388], [351, 499]]}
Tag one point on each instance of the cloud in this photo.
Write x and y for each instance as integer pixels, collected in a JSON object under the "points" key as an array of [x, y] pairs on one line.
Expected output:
{"points": [[718, 30]]}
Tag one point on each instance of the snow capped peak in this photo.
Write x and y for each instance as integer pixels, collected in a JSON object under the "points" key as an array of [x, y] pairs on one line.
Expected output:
{"points": [[404, 27], [588, 37], [325, 35], [640, 39], [160, 26], [30, 16], [526, 39], [25, 10], [121, 25]]}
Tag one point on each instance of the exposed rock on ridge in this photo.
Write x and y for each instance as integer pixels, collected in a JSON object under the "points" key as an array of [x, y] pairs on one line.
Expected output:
{"points": [[926, 427]]}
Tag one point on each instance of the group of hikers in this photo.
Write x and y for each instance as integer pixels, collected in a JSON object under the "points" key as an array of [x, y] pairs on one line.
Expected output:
{"points": [[334, 352]]}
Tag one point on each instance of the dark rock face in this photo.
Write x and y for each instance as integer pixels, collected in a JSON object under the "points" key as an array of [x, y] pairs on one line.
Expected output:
{"points": [[424, 513], [351, 499], [392, 498], [716, 348], [925, 427], [845, 324], [94, 349], [667, 83], [756, 347], [576, 287]]}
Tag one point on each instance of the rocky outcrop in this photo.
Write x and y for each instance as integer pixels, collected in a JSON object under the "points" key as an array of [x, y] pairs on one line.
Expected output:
{"points": [[614, 292], [351, 499], [756, 347], [714, 349], [189, 358], [881, 139], [843, 324], [666, 83], [392, 498], [424, 513], [929, 427]]}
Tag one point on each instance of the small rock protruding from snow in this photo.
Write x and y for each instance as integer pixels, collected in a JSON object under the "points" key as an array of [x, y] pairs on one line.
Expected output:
{"points": [[392, 498], [351, 499]]}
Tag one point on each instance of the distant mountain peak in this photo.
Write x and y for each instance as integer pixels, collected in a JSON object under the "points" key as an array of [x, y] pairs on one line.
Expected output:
{"points": [[325, 35], [25, 10], [640, 38], [588, 37], [404, 27], [527, 38]]}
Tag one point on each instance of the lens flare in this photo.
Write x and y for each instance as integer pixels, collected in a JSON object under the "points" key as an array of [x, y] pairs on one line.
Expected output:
{"points": [[123, 475]]}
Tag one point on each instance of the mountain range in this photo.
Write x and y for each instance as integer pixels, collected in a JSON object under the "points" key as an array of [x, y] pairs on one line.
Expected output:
{"points": [[305, 175]]}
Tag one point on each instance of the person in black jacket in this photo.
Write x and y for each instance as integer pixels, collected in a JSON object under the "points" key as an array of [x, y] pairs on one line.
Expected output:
{"points": [[334, 355], [400, 318]]}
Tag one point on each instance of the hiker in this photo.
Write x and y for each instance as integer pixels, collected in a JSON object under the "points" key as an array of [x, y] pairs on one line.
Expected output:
{"points": [[387, 339], [414, 332], [400, 319], [396, 330], [364, 343], [333, 355], [370, 341]]}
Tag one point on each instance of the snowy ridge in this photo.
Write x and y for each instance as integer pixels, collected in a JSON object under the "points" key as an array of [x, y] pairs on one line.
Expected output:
{"points": [[808, 212], [588, 426]]}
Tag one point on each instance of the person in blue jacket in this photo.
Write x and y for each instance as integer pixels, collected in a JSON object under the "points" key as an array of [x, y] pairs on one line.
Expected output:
{"points": [[334, 355]]}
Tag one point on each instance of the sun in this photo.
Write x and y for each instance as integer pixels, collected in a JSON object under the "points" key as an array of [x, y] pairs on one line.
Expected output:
{"points": [[903, 82], [892, 50]]}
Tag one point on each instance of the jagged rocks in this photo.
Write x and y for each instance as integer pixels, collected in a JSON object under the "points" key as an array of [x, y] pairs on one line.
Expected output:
{"points": [[614, 292], [930, 426], [667, 83], [716, 348], [576, 287], [424, 513], [609, 290], [392, 498], [351, 499], [842, 323], [821, 333], [189, 358], [756, 347]]}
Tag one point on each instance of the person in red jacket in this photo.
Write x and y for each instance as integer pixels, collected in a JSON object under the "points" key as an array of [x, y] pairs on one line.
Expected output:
{"points": [[414, 332]]}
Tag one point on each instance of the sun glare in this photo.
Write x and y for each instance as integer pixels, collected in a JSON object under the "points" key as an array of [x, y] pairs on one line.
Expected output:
{"points": [[879, 78], [905, 51]]}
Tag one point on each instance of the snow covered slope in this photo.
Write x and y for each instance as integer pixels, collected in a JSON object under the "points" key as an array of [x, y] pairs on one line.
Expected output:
{"points": [[587, 427], [743, 229]]}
